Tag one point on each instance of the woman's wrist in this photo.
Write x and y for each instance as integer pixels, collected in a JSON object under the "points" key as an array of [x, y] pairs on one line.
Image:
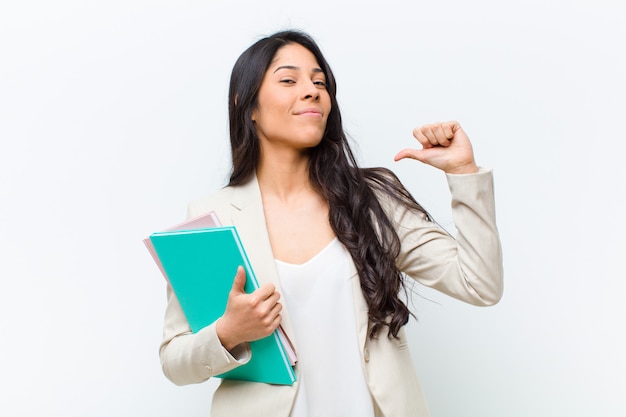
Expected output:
{"points": [[469, 168], [226, 340]]}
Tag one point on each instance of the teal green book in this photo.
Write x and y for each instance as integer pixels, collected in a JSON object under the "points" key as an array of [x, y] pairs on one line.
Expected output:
{"points": [[200, 265]]}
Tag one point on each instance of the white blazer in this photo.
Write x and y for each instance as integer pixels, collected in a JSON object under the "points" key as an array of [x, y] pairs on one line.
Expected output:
{"points": [[468, 268]]}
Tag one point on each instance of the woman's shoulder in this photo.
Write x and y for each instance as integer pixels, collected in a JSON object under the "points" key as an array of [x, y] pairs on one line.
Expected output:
{"points": [[385, 185], [394, 198], [229, 198], [218, 201]]}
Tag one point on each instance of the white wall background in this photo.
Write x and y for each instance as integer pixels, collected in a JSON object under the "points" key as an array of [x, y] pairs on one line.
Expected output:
{"points": [[113, 117]]}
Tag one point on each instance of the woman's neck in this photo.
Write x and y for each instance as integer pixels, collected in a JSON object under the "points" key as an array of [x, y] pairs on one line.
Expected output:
{"points": [[284, 176], [296, 216]]}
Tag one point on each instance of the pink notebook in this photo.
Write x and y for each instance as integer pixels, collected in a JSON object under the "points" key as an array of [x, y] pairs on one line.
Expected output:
{"points": [[203, 221]]}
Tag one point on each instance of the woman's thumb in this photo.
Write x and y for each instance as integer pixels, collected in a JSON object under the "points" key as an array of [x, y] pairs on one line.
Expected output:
{"points": [[240, 281], [417, 154]]}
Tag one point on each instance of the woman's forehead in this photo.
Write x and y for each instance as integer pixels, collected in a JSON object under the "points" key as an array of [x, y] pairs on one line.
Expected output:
{"points": [[294, 56]]}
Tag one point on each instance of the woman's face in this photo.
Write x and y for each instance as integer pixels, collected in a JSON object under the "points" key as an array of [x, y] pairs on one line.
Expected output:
{"points": [[293, 103]]}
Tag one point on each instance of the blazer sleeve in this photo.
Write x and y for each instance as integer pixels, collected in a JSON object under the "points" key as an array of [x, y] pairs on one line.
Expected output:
{"points": [[468, 268], [189, 358]]}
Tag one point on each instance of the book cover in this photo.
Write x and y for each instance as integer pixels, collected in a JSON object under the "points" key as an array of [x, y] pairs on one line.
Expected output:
{"points": [[200, 265]]}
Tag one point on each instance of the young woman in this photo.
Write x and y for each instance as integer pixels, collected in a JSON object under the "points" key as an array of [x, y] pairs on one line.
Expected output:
{"points": [[331, 243]]}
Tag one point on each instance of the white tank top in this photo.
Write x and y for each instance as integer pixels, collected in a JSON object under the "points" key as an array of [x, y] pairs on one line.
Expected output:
{"points": [[318, 296]]}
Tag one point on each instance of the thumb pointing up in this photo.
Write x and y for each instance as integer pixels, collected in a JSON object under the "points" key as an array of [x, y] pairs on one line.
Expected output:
{"points": [[248, 317], [239, 283]]}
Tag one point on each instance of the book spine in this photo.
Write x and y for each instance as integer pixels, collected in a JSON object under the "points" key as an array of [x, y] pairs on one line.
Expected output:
{"points": [[249, 271]]}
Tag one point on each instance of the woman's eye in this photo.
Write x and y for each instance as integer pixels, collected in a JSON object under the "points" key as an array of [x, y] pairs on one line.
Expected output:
{"points": [[288, 81], [320, 83]]}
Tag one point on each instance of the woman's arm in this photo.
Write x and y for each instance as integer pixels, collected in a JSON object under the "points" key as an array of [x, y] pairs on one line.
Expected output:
{"points": [[189, 358], [469, 267]]}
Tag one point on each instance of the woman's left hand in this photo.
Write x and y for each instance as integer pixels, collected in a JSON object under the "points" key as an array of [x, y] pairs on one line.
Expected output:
{"points": [[444, 146]]}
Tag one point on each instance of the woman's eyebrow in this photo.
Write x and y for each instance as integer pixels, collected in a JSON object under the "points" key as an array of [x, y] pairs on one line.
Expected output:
{"points": [[293, 67]]}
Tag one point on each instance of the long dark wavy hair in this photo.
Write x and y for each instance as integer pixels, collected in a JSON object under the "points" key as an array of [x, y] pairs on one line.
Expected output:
{"points": [[356, 215]]}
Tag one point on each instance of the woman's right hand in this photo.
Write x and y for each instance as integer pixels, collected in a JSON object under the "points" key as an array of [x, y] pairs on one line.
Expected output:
{"points": [[248, 317]]}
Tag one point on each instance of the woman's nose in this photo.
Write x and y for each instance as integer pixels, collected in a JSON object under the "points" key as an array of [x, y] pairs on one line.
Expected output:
{"points": [[311, 92]]}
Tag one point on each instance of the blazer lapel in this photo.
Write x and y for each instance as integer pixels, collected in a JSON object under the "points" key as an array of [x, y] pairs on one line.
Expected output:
{"points": [[249, 219]]}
